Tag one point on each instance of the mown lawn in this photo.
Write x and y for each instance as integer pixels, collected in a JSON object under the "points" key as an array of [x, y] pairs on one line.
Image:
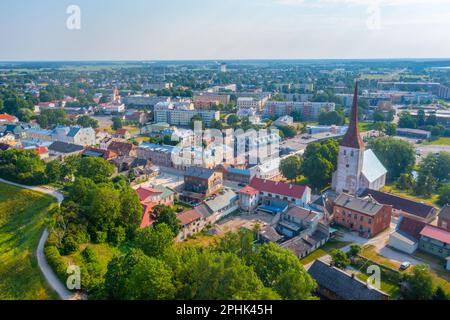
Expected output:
{"points": [[432, 200], [103, 252], [370, 253], [22, 219], [324, 250], [443, 141]]}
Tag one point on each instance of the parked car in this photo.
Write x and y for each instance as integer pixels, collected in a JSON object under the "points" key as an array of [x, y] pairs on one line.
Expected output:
{"points": [[405, 265]]}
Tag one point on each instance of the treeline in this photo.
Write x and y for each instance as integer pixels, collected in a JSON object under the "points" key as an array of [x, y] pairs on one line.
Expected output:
{"points": [[26, 167], [233, 268], [421, 121]]}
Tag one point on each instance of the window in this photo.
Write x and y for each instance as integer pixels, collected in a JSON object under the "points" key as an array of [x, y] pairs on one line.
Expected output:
{"points": [[352, 154], [345, 152], [370, 221]]}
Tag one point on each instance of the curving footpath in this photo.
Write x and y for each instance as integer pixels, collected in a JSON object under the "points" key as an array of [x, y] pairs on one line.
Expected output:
{"points": [[46, 270]]}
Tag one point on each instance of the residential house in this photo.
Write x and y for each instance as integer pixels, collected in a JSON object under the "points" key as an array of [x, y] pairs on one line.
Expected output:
{"points": [[444, 218], [60, 150], [108, 155], [123, 148], [160, 155], [435, 241], [200, 183], [403, 206], [272, 196], [76, 135], [191, 222], [122, 134], [336, 284], [6, 118], [366, 216], [151, 197]]}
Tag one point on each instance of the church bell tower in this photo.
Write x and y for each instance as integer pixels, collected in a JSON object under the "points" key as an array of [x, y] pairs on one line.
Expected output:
{"points": [[351, 155]]}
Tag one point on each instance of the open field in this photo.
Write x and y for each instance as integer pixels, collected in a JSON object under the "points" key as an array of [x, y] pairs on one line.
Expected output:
{"points": [[22, 218]]}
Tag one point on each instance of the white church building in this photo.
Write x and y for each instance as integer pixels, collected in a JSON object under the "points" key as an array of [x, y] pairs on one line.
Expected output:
{"points": [[357, 168]]}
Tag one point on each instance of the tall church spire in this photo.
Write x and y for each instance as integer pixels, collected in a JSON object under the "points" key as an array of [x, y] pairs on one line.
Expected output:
{"points": [[352, 139]]}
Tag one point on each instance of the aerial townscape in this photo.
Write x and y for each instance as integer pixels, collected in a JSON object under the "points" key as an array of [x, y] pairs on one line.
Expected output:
{"points": [[230, 179]]}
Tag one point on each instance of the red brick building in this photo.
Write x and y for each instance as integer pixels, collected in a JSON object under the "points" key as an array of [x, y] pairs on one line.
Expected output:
{"points": [[365, 216]]}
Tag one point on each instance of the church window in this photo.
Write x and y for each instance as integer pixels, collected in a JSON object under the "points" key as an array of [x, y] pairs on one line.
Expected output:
{"points": [[352, 153], [345, 152]]}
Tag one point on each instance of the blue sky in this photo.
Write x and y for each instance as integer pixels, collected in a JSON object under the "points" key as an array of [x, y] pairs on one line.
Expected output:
{"points": [[225, 29]]}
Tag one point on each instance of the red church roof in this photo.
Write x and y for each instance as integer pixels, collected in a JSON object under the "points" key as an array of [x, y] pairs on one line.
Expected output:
{"points": [[352, 139], [281, 188]]}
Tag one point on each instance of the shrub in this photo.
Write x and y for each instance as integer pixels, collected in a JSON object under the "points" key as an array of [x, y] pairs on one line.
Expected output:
{"points": [[58, 263]]}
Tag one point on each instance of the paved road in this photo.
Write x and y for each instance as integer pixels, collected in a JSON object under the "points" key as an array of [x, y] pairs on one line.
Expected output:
{"points": [[46, 270]]}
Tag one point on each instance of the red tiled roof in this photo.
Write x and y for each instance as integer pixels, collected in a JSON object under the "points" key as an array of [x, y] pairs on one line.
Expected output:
{"points": [[7, 117], [121, 131], [146, 217], [144, 193], [187, 217], [436, 233], [41, 150], [281, 188], [411, 227], [249, 190]]}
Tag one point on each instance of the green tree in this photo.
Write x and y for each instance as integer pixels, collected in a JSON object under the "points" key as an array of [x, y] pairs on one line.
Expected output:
{"points": [[444, 195], [87, 122], [291, 167], [339, 259], [130, 211], [288, 131], [438, 165], [440, 294], [406, 120], [378, 116], [425, 185], [53, 171], [275, 267], [420, 284], [155, 241], [390, 129], [420, 118], [319, 162], [117, 123], [232, 119], [330, 118], [355, 249], [167, 215], [405, 181], [396, 155], [97, 169]]}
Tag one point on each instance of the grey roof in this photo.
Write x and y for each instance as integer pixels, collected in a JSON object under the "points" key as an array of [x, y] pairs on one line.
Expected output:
{"points": [[63, 147], [199, 172], [445, 212], [372, 167], [269, 233], [366, 206], [166, 192], [221, 201], [399, 203], [342, 284], [203, 210]]}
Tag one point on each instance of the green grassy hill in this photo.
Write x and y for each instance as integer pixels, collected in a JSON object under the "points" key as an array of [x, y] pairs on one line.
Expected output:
{"points": [[22, 215]]}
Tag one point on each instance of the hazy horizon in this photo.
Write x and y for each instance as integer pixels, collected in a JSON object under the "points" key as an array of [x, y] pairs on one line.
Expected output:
{"points": [[193, 30]]}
